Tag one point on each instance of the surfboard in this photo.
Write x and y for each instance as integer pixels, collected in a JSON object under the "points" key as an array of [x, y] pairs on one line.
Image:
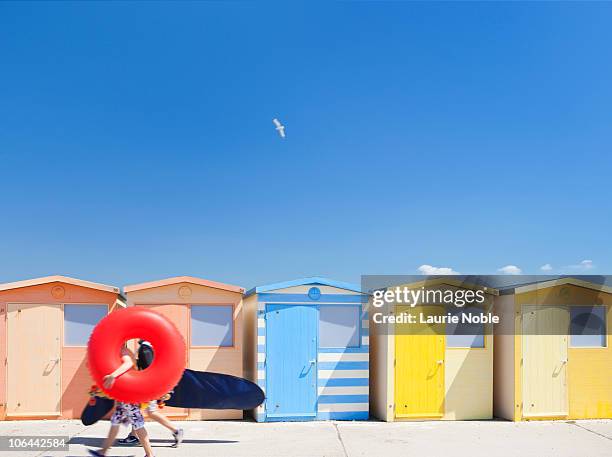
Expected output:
{"points": [[197, 390]]}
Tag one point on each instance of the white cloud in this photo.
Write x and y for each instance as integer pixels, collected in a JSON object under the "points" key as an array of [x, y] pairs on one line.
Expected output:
{"points": [[431, 270], [583, 266], [546, 267], [510, 270]]}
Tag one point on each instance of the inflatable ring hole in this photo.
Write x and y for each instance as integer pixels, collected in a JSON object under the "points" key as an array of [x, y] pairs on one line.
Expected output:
{"points": [[141, 351], [145, 354]]}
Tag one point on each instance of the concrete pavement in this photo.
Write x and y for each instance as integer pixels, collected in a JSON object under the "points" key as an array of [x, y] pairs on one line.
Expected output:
{"points": [[342, 439]]}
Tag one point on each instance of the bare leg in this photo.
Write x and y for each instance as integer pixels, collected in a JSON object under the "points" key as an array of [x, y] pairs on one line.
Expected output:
{"points": [[143, 437], [110, 439], [159, 417]]}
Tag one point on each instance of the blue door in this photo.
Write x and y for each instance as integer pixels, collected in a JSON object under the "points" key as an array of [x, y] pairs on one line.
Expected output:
{"points": [[291, 362]]}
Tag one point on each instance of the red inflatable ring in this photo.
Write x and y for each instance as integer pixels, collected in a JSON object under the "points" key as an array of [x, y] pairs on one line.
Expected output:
{"points": [[104, 354]]}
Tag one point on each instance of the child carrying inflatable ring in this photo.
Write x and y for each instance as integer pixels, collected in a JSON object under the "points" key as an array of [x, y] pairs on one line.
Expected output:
{"points": [[125, 413], [145, 358], [107, 347]]}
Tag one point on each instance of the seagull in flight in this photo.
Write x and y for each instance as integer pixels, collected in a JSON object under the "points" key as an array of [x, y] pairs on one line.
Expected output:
{"points": [[280, 127]]}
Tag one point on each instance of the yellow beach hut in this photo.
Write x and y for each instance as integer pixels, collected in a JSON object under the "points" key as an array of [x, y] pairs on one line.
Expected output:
{"points": [[552, 351], [437, 371]]}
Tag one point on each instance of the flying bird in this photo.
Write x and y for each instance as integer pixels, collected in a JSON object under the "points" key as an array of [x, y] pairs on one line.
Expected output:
{"points": [[280, 127]]}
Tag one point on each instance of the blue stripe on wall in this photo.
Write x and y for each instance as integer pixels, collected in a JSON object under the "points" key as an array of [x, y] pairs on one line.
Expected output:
{"points": [[359, 350], [331, 365], [343, 398], [340, 382], [261, 349], [304, 298], [343, 365], [261, 331], [349, 416]]}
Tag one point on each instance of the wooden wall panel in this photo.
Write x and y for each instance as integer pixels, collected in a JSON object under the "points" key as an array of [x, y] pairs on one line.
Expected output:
{"points": [[469, 382], [545, 361], [34, 360], [503, 358]]}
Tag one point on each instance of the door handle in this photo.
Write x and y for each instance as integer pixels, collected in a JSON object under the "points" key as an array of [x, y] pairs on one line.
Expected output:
{"points": [[564, 361], [440, 362], [313, 361]]}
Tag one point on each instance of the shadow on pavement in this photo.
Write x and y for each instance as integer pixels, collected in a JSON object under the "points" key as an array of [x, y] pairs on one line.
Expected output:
{"points": [[106, 456], [96, 442]]}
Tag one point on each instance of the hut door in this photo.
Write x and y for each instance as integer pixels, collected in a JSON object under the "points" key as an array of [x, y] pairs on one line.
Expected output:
{"points": [[33, 360], [291, 361], [419, 366], [544, 342]]}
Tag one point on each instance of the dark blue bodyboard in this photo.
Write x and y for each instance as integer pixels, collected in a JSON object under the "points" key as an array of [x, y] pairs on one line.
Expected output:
{"points": [[93, 413], [207, 390], [198, 390]]}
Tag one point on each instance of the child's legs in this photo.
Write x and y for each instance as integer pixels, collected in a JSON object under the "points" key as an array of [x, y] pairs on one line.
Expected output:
{"points": [[143, 437], [131, 433], [135, 418], [110, 439], [159, 417]]}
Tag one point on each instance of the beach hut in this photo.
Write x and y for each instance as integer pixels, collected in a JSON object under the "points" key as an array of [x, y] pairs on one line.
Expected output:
{"points": [[209, 316], [308, 349], [46, 323], [552, 351], [423, 371]]}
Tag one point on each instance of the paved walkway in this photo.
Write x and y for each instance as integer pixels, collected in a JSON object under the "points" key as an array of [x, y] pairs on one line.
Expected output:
{"points": [[343, 439]]}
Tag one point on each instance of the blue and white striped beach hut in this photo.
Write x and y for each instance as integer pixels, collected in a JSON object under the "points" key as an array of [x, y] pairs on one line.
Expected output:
{"points": [[307, 345]]}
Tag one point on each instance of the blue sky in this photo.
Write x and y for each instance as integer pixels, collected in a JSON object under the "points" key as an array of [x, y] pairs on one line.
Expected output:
{"points": [[136, 139]]}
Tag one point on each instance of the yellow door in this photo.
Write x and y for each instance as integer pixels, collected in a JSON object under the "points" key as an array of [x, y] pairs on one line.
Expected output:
{"points": [[33, 360], [544, 341], [419, 366]]}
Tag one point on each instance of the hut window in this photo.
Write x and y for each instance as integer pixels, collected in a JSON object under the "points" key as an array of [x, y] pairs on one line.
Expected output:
{"points": [[464, 334], [79, 322], [339, 326], [588, 326], [212, 325]]}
